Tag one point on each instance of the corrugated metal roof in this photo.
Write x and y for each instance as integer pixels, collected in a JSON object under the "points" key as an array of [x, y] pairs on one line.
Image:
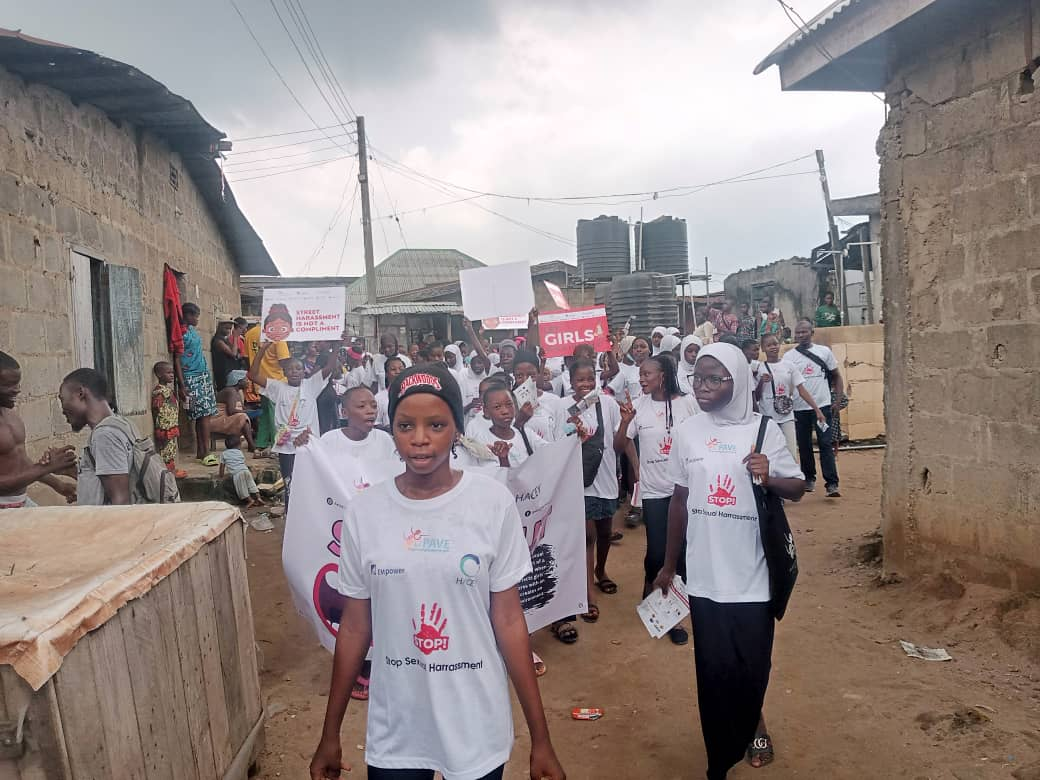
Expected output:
{"points": [[126, 94], [407, 270], [814, 25], [411, 307]]}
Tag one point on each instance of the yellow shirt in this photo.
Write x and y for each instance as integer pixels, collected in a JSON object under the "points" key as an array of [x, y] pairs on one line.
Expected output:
{"points": [[269, 366]]}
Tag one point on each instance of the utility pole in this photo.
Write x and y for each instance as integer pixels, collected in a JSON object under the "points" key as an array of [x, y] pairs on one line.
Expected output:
{"points": [[836, 252], [366, 214]]}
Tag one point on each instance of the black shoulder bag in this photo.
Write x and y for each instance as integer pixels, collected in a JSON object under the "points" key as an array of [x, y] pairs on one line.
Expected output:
{"points": [[782, 404], [801, 349], [527, 442], [592, 450], [777, 541]]}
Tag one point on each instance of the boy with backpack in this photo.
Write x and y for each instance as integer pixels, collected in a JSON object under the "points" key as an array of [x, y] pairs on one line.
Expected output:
{"points": [[117, 466]]}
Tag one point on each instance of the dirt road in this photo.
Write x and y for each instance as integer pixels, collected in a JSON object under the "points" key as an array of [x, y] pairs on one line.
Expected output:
{"points": [[844, 701]]}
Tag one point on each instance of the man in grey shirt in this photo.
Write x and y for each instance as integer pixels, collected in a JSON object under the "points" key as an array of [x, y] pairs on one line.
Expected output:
{"points": [[104, 467]]}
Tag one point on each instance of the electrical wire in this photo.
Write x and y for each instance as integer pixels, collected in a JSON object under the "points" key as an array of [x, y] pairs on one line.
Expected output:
{"points": [[382, 227], [287, 132], [340, 208], [303, 24], [395, 216], [292, 169], [233, 163], [349, 135], [350, 222]]}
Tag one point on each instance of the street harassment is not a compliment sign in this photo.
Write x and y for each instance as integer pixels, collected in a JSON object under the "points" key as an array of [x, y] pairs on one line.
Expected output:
{"points": [[549, 497], [303, 313], [562, 331]]}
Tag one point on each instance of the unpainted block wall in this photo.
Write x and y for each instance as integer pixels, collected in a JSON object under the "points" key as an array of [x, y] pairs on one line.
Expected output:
{"points": [[796, 292], [960, 185], [70, 176]]}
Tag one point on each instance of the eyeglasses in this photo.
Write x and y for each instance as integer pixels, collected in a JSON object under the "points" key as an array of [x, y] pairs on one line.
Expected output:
{"points": [[713, 382]]}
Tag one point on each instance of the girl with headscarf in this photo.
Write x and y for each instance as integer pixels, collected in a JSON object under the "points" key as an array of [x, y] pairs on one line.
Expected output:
{"points": [[712, 464], [656, 335], [469, 382], [675, 332], [670, 346], [455, 362], [688, 350]]}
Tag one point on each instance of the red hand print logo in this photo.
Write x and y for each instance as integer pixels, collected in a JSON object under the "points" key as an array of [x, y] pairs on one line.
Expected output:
{"points": [[429, 636], [721, 493], [666, 446]]}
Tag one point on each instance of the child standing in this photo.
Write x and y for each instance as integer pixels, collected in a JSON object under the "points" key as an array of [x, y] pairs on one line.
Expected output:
{"points": [[440, 638], [391, 368], [166, 417], [510, 443], [233, 462]]}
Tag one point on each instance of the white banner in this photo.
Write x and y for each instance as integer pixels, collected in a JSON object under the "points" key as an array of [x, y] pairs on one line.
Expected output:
{"points": [[497, 291], [549, 496], [303, 313]]}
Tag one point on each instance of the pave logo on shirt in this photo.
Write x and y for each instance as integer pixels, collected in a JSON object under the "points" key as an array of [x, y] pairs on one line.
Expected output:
{"points": [[429, 634], [714, 445], [721, 493], [419, 380], [469, 565], [378, 571], [360, 484], [417, 542], [665, 447]]}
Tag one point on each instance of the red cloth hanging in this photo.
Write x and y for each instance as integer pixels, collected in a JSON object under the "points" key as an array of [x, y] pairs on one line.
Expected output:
{"points": [[172, 311]]}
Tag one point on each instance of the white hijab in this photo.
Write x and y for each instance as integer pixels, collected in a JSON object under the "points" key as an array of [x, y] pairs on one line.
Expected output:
{"points": [[684, 369], [740, 409], [668, 343], [659, 330], [460, 364], [673, 331]]}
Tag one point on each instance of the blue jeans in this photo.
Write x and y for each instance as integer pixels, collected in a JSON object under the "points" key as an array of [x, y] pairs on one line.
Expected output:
{"points": [[804, 425]]}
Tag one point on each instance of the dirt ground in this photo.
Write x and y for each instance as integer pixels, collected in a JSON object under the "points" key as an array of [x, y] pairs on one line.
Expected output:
{"points": [[844, 700]]}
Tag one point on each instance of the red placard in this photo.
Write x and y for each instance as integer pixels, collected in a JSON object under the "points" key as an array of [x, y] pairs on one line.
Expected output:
{"points": [[562, 331]]}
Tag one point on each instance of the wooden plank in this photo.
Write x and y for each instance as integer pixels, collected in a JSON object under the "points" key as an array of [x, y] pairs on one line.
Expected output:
{"points": [[220, 579], [79, 704], [177, 710], [190, 659], [112, 674], [48, 737], [198, 574], [235, 536]]}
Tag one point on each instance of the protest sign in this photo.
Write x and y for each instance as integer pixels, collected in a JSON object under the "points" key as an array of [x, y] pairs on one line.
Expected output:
{"points": [[561, 331], [557, 295], [508, 322], [549, 497], [303, 313], [497, 291]]}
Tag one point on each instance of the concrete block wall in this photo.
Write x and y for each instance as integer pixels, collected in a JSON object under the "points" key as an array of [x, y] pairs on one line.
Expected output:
{"points": [[960, 186], [69, 176]]}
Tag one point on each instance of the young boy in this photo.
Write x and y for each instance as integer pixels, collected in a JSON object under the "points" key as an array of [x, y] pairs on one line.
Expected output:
{"points": [[234, 463], [165, 417]]}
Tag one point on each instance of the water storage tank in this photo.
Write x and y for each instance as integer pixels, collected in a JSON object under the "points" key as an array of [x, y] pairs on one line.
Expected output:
{"points": [[665, 248], [603, 248], [645, 298]]}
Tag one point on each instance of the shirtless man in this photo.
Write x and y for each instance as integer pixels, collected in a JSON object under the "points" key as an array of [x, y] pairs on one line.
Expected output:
{"points": [[17, 472], [234, 421]]}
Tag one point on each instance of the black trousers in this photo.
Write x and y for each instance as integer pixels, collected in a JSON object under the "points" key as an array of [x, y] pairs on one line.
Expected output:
{"points": [[733, 648], [655, 518], [804, 426], [375, 773]]}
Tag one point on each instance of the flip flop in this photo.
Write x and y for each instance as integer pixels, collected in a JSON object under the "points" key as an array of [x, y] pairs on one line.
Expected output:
{"points": [[761, 748], [607, 585], [211, 460], [592, 615], [360, 689], [539, 665], [616, 537], [565, 632]]}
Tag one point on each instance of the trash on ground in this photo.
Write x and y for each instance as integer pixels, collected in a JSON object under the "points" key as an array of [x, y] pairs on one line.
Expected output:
{"points": [[586, 713], [925, 653]]}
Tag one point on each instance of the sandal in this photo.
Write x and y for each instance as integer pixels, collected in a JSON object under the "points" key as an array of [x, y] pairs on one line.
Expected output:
{"points": [[592, 615], [360, 689], [539, 665], [679, 635], [565, 632], [607, 585], [211, 460], [616, 537], [761, 750]]}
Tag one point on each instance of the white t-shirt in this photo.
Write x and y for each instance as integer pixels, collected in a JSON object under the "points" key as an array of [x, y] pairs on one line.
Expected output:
{"points": [[655, 441], [439, 695], [555, 365], [787, 380], [378, 445], [550, 417], [814, 377], [518, 451], [627, 379], [379, 367], [477, 426], [383, 407], [295, 408], [724, 557], [605, 485]]}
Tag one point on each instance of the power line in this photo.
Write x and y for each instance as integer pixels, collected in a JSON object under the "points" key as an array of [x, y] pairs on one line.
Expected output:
{"points": [[287, 132], [288, 145], [340, 208], [292, 169], [350, 222], [395, 216], [382, 227], [282, 156], [303, 24], [328, 66]]}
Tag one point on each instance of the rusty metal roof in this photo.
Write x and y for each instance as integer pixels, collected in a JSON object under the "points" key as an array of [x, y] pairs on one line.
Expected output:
{"points": [[126, 94]]}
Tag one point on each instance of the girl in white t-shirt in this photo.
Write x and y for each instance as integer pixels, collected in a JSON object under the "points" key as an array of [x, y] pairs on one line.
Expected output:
{"points": [[430, 565], [651, 419], [712, 463], [627, 378], [391, 368], [780, 379], [549, 418], [510, 443]]}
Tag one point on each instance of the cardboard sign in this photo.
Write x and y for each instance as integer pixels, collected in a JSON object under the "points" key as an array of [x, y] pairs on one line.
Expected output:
{"points": [[557, 295], [510, 322], [562, 331], [303, 313], [497, 291]]}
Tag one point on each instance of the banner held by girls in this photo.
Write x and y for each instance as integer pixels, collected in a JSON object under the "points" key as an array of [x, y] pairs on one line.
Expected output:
{"points": [[548, 492]]}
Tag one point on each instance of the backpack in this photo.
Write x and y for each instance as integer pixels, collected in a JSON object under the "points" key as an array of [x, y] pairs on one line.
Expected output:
{"points": [[150, 481]]}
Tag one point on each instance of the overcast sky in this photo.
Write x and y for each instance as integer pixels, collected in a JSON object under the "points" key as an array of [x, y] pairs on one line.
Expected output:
{"points": [[522, 97]]}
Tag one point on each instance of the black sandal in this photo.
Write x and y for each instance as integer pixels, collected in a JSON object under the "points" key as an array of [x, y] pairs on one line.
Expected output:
{"points": [[592, 615], [607, 585], [565, 632], [761, 748]]}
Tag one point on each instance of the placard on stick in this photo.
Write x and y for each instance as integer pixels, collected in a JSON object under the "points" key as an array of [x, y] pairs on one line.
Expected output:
{"points": [[562, 331], [303, 313], [497, 291]]}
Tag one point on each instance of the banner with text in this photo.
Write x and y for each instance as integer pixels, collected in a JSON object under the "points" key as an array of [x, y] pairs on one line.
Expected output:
{"points": [[549, 497], [303, 313], [562, 331]]}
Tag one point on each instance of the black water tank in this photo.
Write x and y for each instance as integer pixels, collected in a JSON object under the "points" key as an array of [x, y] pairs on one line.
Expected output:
{"points": [[665, 247], [603, 248], [647, 299]]}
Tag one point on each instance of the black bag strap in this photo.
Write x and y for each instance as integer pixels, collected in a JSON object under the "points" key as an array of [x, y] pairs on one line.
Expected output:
{"points": [[762, 425], [527, 442], [598, 435], [804, 350]]}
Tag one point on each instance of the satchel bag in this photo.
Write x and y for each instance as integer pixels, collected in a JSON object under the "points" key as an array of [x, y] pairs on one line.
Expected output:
{"points": [[782, 404], [592, 450], [777, 541]]}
